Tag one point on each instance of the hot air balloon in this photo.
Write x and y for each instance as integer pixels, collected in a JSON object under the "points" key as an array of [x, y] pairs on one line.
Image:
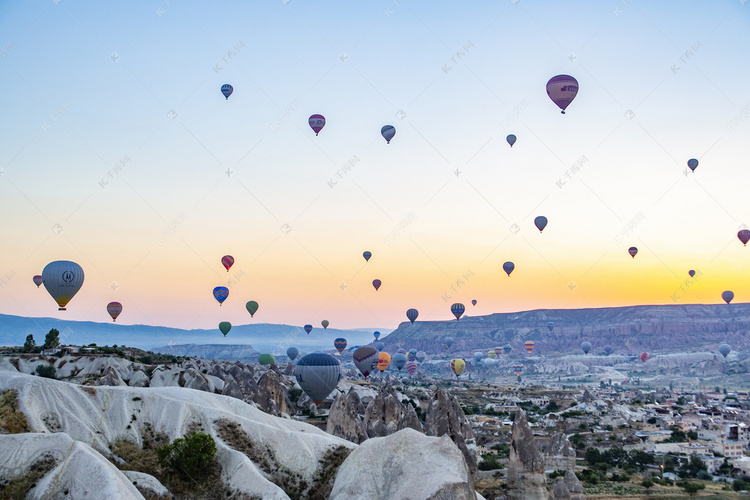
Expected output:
{"points": [[727, 296], [489, 362], [508, 267], [38, 280], [325, 324], [384, 359], [693, 164], [376, 335], [550, 325], [644, 356], [224, 327], [511, 139], [562, 89], [608, 349], [478, 356], [585, 347], [221, 293], [421, 356], [227, 90], [411, 367], [340, 344], [412, 314], [457, 310], [474, 302], [491, 354], [114, 309], [380, 346], [318, 374], [529, 346], [376, 284], [506, 350], [517, 369], [227, 261], [399, 360], [744, 236], [540, 223], [365, 359], [308, 329], [691, 273], [252, 307], [266, 359], [62, 279], [388, 131], [448, 341], [632, 251], [317, 122], [724, 349], [292, 353], [401, 351], [458, 366], [367, 254], [412, 354]]}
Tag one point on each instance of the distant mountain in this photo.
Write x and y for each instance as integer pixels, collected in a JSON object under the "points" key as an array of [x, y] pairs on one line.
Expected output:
{"points": [[234, 352], [262, 337], [629, 330]]}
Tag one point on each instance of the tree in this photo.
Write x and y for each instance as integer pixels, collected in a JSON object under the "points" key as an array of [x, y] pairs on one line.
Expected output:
{"points": [[692, 435], [189, 454], [639, 458], [52, 339], [691, 488], [593, 456], [46, 371], [648, 484], [30, 344], [692, 467]]}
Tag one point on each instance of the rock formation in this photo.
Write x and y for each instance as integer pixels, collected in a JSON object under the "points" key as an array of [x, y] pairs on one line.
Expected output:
{"points": [[345, 419], [525, 478], [574, 485], [558, 453], [445, 417], [271, 395], [384, 413], [111, 377]]}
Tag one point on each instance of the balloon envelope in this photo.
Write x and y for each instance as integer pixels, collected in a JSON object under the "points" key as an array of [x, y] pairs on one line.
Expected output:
{"points": [[724, 349], [224, 327], [411, 367], [252, 307], [227, 261], [529, 346], [317, 122], [38, 280], [508, 267], [489, 362], [511, 139], [491, 354], [266, 359], [325, 324], [114, 309], [585, 347], [693, 164], [458, 366], [551, 325], [412, 355], [744, 236], [727, 296], [365, 359], [367, 255], [421, 356], [644, 356], [388, 131], [478, 355], [399, 360], [380, 346], [292, 353], [608, 349], [632, 251], [506, 349], [384, 359], [457, 310], [448, 341], [339, 344], [376, 284], [518, 368], [221, 293], [227, 90], [412, 314], [62, 279], [308, 329], [562, 89], [474, 302], [318, 374], [691, 273], [376, 335], [540, 223]]}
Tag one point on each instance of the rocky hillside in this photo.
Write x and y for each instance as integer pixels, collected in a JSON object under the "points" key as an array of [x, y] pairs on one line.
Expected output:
{"points": [[629, 330]]}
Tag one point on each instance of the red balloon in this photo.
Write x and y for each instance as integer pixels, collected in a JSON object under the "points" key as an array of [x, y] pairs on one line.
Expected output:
{"points": [[227, 260], [644, 356], [114, 309]]}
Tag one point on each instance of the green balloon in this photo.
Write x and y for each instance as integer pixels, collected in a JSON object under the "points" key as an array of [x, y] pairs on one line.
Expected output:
{"points": [[265, 359], [252, 307], [224, 327]]}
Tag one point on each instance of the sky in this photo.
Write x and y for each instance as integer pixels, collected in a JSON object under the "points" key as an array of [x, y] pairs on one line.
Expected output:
{"points": [[119, 152]]}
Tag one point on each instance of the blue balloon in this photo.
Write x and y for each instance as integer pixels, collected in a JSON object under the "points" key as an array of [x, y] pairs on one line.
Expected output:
{"points": [[376, 335], [308, 328], [221, 293], [508, 267], [457, 310], [388, 132], [292, 353], [227, 90], [511, 139], [380, 346]]}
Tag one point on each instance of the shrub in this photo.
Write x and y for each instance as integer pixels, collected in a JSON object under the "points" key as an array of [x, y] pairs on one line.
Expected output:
{"points": [[189, 454], [46, 371]]}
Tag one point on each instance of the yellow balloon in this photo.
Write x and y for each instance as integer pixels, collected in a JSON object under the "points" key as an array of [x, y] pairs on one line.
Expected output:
{"points": [[458, 365], [384, 361]]}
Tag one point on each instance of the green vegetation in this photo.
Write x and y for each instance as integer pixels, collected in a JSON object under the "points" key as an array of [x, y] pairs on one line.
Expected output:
{"points": [[490, 462], [52, 339], [12, 420], [30, 344], [691, 488], [189, 455], [19, 487], [46, 371]]}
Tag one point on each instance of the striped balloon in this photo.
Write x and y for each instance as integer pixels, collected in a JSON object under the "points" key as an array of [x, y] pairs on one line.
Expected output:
{"points": [[339, 344], [388, 131], [114, 309], [318, 374], [365, 359], [411, 367], [529, 346], [227, 261], [317, 122], [517, 368], [411, 315], [221, 293], [376, 284], [457, 310]]}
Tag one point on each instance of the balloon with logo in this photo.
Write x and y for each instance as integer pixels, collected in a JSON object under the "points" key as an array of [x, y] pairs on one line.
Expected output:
{"points": [[508, 267], [744, 236], [62, 279], [693, 164], [252, 307], [376, 284], [318, 374], [221, 293], [317, 122], [458, 366], [457, 310], [727, 296], [227, 90], [643, 356], [411, 315], [511, 139], [562, 89], [308, 329], [227, 261], [266, 359], [585, 347], [632, 251], [365, 359], [380, 346], [540, 223], [367, 254], [529, 346], [399, 360], [114, 309], [292, 353], [384, 359], [325, 324], [388, 131], [411, 367], [38, 280], [340, 344], [421, 356], [724, 349]]}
